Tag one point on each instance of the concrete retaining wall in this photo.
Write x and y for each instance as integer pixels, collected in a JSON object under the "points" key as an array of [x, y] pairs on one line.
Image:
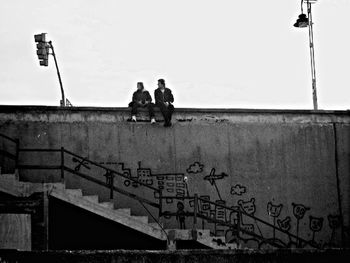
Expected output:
{"points": [[288, 168]]}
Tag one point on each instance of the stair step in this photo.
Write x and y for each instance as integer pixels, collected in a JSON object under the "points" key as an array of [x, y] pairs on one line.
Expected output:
{"points": [[143, 219], [91, 198], [109, 205], [75, 192], [126, 211], [9, 177], [156, 225], [203, 233], [222, 238]]}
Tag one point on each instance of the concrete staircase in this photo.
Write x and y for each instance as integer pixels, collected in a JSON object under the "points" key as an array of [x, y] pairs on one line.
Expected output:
{"points": [[10, 184]]}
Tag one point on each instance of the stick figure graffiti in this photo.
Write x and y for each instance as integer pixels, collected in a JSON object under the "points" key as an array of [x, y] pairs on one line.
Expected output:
{"points": [[81, 162], [180, 215], [334, 223], [315, 225], [299, 211], [274, 211]]}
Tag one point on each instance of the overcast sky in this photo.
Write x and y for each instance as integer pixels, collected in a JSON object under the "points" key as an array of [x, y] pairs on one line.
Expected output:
{"points": [[212, 53]]}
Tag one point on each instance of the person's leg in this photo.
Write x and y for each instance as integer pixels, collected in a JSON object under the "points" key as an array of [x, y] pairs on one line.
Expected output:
{"points": [[134, 111], [163, 110], [170, 111], [150, 107]]}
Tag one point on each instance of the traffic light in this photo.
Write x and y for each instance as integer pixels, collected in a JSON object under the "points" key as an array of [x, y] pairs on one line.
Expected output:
{"points": [[42, 49]]}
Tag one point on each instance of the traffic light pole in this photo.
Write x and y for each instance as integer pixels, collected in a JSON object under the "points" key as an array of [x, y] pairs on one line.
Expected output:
{"points": [[63, 101]]}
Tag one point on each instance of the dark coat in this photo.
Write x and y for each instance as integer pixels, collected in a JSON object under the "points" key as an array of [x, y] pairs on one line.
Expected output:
{"points": [[141, 96], [161, 97]]}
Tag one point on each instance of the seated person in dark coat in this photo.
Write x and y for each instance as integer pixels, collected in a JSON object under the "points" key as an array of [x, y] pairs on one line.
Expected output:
{"points": [[141, 98], [164, 98]]}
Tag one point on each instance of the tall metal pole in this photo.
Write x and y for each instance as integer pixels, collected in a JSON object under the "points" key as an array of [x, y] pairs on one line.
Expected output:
{"points": [[63, 101], [312, 56]]}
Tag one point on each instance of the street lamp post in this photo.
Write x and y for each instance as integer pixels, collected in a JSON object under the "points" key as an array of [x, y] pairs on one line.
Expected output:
{"points": [[304, 21]]}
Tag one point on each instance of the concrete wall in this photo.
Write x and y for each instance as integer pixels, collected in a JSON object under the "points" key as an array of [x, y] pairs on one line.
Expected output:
{"points": [[15, 231], [288, 168]]}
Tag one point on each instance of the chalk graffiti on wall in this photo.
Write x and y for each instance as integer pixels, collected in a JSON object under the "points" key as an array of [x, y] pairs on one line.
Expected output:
{"points": [[213, 177], [238, 189], [80, 163], [223, 222], [195, 168], [274, 211], [299, 211]]}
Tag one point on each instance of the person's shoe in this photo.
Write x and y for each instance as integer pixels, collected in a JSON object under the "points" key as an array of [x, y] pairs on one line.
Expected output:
{"points": [[153, 121], [133, 118]]}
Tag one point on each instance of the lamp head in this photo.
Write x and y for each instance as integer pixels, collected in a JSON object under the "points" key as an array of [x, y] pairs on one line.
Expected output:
{"points": [[302, 21]]}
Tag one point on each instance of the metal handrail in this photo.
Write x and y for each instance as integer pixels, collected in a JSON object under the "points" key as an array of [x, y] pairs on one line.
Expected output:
{"points": [[10, 155], [110, 173]]}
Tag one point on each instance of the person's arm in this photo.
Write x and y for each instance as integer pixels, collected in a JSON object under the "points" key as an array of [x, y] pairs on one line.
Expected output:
{"points": [[134, 97], [148, 98], [171, 97]]}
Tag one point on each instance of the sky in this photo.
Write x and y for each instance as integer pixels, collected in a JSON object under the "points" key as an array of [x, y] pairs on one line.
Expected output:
{"points": [[211, 53]]}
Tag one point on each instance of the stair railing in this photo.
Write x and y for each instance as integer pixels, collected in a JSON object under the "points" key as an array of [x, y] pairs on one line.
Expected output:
{"points": [[109, 174], [8, 154], [63, 167]]}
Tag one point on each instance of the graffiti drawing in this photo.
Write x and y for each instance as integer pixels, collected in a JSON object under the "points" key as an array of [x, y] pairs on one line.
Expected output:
{"points": [[219, 242], [109, 177], [195, 168], [212, 177], [315, 225], [334, 223], [232, 233], [81, 162], [249, 208], [180, 215], [172, 185], [144, 175], [238, 225], [274, 211], [238, 189], [220, 215], [284, 224], [299, 211]]}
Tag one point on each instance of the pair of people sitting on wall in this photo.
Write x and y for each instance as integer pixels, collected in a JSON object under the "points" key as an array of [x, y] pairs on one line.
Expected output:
{"points": [[163, 97]]}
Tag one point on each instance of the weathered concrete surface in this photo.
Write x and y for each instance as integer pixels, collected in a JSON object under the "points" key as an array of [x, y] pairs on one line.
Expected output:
{"points": [[15, 231], [288, 168], [183, 256]]}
